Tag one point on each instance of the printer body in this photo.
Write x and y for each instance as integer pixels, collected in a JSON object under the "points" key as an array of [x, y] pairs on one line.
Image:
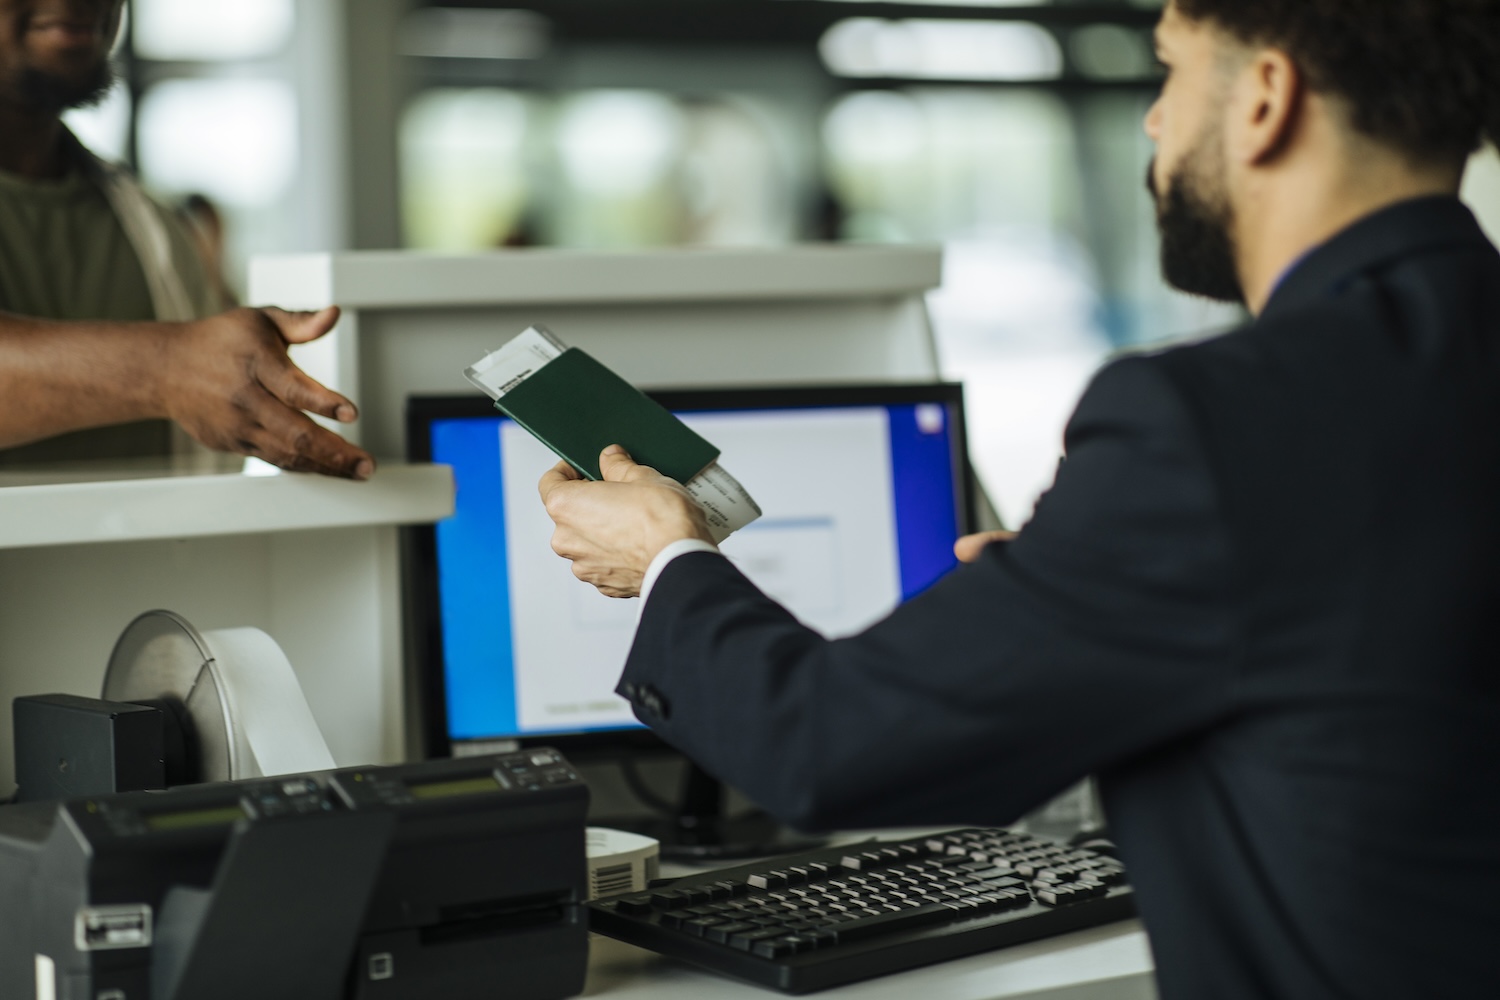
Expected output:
{"points": [[454, 878]]}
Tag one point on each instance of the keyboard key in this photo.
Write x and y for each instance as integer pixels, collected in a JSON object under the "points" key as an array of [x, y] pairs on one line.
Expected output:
{"points": [[722, 931], [1054, 895], [769, 880], [776, 947], [674, 918], [866, 927], [748, 939], [634, 906]]}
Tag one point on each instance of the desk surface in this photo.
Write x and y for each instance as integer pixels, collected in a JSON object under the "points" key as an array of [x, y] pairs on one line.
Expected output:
{"points": [[1101, 963]]}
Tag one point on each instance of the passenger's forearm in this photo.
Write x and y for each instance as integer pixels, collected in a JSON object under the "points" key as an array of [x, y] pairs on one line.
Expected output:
{"points": [[64, 376]]}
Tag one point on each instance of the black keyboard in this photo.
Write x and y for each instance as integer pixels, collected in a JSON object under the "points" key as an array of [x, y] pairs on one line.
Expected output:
{"points": [[810, 921]]}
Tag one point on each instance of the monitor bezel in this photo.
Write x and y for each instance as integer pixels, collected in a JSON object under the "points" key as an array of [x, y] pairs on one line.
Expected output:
{"points": [[426, 681]]}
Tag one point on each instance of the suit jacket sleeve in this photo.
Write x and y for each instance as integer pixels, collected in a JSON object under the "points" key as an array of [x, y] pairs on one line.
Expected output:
{"points": [[1102, 631]]}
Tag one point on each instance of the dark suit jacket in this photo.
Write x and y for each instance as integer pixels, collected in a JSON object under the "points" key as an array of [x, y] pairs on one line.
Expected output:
{"points": [[1261, 602]]}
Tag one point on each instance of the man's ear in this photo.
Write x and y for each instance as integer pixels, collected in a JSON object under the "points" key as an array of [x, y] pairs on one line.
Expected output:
{"points": [[1267, 103]]}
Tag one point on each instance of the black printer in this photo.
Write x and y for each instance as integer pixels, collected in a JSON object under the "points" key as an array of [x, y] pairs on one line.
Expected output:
{"points": [[453, 879]]}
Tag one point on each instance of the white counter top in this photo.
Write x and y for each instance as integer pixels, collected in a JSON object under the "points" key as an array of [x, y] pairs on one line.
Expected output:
{"points": [[132, 502], [401, 279]]}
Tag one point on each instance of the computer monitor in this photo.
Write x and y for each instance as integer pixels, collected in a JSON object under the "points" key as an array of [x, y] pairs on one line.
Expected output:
{"points": [[864, 489]]}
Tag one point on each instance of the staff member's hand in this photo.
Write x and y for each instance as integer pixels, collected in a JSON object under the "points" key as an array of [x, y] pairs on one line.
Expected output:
{"points": [[969, 547], [612, 529], [228, 380]]}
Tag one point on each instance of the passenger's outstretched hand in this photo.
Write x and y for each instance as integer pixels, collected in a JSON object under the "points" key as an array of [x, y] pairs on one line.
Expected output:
{"points": [[228, 380]]}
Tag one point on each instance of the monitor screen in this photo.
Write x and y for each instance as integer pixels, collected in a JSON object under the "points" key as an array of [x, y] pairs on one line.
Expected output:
{"points": [[863, 489]]}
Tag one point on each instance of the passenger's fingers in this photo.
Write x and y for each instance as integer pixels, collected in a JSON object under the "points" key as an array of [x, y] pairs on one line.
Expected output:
{"points": [[289, 439], [301, 391], [301, 327]]}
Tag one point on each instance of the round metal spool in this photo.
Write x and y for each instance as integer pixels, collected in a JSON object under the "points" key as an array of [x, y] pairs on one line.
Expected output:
{"points": [[161, 658]]}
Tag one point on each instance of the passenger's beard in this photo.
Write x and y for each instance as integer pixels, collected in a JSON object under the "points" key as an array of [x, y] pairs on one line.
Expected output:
{"points": [[51, 93], [1196, 223]]}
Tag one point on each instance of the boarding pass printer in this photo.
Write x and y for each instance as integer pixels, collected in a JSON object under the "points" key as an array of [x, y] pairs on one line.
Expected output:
{"points": [[453, 879]]}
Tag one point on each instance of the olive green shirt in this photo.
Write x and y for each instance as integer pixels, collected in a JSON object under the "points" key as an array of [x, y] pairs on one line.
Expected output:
{"points": [[64, 255]]}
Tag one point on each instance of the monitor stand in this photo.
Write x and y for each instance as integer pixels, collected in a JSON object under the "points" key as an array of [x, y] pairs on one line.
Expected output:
{"points": [[700, 831]]}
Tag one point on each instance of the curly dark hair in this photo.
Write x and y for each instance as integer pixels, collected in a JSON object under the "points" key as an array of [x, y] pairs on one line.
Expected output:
{"points": [[1421, 76]]}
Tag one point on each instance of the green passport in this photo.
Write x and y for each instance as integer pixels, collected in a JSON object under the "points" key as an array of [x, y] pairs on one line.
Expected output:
{"points": [[577, 407]]}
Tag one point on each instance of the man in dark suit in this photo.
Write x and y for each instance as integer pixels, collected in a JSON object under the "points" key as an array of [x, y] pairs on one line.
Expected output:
{"points": [[1262, 600]]}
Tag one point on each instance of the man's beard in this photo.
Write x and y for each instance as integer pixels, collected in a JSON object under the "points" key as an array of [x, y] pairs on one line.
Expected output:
{"points": [[1196, 223], [51, 93]]}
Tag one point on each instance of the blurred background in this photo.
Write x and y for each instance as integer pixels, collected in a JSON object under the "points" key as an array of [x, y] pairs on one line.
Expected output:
{"points": [[1010, 133]]}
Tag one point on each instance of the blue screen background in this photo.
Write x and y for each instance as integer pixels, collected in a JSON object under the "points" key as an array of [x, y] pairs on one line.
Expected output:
{"points": [[474, 589]]}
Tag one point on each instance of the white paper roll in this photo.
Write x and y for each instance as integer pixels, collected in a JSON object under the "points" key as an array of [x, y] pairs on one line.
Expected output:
{"points": [[272, 727]]}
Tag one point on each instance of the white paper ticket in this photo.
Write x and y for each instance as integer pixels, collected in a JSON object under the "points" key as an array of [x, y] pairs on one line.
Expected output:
{"points": [[498, 372], [725, 502]]}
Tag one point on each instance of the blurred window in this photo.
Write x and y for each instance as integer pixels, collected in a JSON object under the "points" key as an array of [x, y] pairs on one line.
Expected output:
{"points": [[463, 169], [473, 33], [234, 140], [941, 50], [486, 167], [211, 29]]}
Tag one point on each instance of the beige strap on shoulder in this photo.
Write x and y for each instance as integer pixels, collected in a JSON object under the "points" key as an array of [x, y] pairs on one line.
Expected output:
{"points": [[147, 232]]}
